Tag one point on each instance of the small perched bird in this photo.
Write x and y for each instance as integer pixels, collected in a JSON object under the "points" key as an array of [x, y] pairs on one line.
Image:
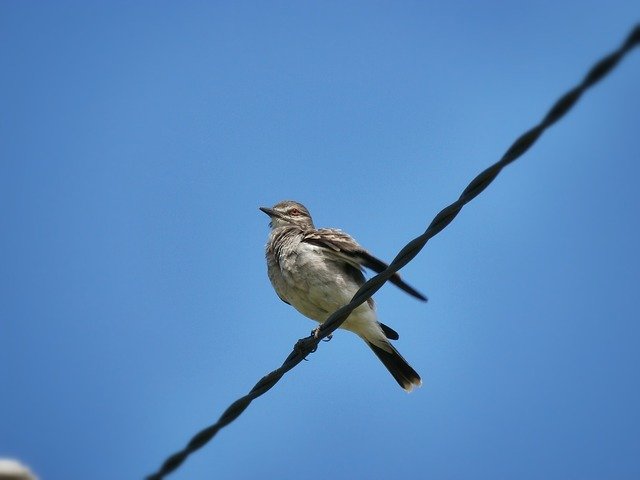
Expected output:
{"points": [[318, 271]]}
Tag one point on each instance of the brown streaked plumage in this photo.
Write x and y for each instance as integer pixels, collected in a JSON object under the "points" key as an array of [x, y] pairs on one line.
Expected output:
{"points": [[319, 270]]}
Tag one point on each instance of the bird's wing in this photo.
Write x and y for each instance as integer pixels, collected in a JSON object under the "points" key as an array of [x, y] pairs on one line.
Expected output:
{"points": [[341, 245]]}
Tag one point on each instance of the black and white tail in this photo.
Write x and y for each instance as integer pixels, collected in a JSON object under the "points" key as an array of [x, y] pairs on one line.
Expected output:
{"points": [[406, 376]]}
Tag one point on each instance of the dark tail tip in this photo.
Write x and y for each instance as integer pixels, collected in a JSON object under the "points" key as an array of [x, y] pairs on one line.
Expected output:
{"points": [[406, 376]]}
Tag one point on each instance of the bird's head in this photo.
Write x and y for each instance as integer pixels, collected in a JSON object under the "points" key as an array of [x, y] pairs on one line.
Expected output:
{"points": [[288, 213]]}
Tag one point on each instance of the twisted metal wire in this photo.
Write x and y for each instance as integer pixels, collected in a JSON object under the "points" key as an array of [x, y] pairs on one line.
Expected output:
{"points": [[308, 345]]}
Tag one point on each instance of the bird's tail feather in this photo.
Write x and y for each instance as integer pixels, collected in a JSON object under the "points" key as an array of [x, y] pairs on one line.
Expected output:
{"points": [[406, 376]]}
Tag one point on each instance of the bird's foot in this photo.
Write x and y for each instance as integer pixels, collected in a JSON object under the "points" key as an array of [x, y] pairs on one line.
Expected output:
{"points": [[316, 334]]}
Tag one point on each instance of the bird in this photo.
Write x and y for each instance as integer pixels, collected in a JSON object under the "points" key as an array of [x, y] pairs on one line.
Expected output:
{"points": [[317, 271]]}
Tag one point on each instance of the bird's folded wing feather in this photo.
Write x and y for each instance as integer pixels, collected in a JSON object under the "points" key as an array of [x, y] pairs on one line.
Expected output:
{"points": [[341, 245]]}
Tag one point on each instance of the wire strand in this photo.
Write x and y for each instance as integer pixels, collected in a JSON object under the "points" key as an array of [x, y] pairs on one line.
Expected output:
{"points": [[308, 345]]}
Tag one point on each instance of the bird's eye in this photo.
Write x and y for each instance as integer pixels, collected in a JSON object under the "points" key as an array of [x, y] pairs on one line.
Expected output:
{"points": [[294, 211]]}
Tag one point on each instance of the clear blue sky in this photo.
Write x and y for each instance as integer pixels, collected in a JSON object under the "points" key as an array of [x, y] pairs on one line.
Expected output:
{"points": [[137, 143]]}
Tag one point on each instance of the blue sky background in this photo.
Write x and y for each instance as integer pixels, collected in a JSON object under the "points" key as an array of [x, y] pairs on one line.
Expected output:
{"points": [[136, 144]]}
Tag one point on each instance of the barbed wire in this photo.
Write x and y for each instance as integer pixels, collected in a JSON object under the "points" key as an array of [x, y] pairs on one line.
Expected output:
{"points": [[308, 345]]}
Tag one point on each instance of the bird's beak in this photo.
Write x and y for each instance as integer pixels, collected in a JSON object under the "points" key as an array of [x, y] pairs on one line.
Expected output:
{"points": [[269, 211]]}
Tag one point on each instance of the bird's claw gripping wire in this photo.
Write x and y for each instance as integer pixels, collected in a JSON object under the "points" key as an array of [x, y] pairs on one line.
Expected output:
{"points": [[302, 345], [316, 334]]}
